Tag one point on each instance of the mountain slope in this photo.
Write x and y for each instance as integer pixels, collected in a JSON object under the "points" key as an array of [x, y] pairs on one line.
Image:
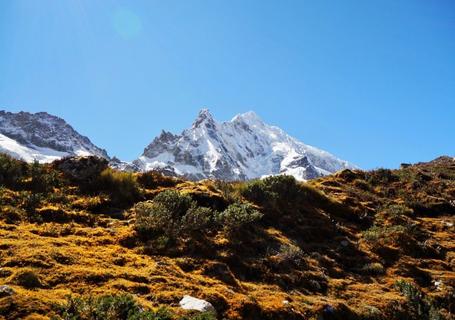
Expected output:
{"points": [[42, 137], [243, 148], [356, 245]]}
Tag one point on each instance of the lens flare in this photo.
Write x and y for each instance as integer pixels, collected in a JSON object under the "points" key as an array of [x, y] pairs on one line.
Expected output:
{"points": [[126, 23]]}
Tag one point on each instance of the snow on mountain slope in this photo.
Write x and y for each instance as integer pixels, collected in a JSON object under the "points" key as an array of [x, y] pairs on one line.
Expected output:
{"points": [[42, 137], [243, 148]]}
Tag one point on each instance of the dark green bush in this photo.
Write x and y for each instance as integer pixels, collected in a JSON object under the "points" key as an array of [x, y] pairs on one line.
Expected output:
{"points": [[283, 194], [12, 171], [274, 191], [419, 304], [196, 219], [238, 215], [43, 180], [30, 202], [173, 214], [177, 203], [120, 307], [154, 218]]}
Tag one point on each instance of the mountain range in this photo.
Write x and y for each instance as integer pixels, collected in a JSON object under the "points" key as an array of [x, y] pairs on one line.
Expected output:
{"points": [[240, 149]]}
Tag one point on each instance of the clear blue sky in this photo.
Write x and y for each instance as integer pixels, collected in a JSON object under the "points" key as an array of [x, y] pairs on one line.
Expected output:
{"points": [[371, 81]]}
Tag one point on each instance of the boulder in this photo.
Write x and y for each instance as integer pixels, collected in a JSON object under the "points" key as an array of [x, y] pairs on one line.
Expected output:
{"points": [[6, 291], [191, 303]]}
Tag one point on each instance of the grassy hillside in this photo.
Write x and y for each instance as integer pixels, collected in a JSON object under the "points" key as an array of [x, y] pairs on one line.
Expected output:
{"points": [[81, 241]]}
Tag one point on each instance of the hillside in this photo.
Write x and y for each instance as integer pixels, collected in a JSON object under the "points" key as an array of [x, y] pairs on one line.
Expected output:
{"points": [[76, 236]]}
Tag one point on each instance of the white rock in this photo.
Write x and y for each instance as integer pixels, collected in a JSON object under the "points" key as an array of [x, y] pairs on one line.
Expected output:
{"points": [[344, 243], [6, 291], [191, 303]]}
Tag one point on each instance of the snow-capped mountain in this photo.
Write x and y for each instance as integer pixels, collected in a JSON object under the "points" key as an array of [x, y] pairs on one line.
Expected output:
{"points": [[42, 137], [243, 148]]}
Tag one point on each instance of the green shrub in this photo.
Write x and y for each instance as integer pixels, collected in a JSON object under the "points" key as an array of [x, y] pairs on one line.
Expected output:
{"points": [[381, 176], [154, 218], [119, 307], [238, 215], [43, 180], [173, 214], [30, 202], [274, 191], [383, 233], [12, 171], [374, 268], [122, 187], [420, 305], [290, 254], [196, 219], [280, 194], [177, 203]]}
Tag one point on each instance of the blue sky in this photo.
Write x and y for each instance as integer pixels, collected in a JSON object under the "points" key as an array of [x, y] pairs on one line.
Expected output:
{"points": [[372, 82]]}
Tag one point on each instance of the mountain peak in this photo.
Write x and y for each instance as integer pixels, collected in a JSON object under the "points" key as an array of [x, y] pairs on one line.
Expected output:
{"points": [[203, 116], [243, 148], [248, 117], [43, 137]]}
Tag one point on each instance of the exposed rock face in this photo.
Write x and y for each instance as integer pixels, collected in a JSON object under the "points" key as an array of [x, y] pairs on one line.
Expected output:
{"points": [[43, 137], [243, 148]]}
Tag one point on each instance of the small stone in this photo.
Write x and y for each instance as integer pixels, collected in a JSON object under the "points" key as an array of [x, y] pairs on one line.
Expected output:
{"points": [[344, 243], [191, 303], [6, 291]]}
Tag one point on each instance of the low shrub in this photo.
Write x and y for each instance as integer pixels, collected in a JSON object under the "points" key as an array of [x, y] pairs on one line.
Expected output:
{"points": [[272, 191], [42, 179], [154, 218], [374, 268], [283, 194], [118, 307], [385, 234], [30, 203], [290, 254], [12, 171], [171, 213], [238, 215], [419, 304], [122, 187], [197, 219], [177, 203]]}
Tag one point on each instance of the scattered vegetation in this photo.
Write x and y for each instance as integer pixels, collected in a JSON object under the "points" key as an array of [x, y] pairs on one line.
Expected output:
{"points": [[131, 245], [120, 307]]}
